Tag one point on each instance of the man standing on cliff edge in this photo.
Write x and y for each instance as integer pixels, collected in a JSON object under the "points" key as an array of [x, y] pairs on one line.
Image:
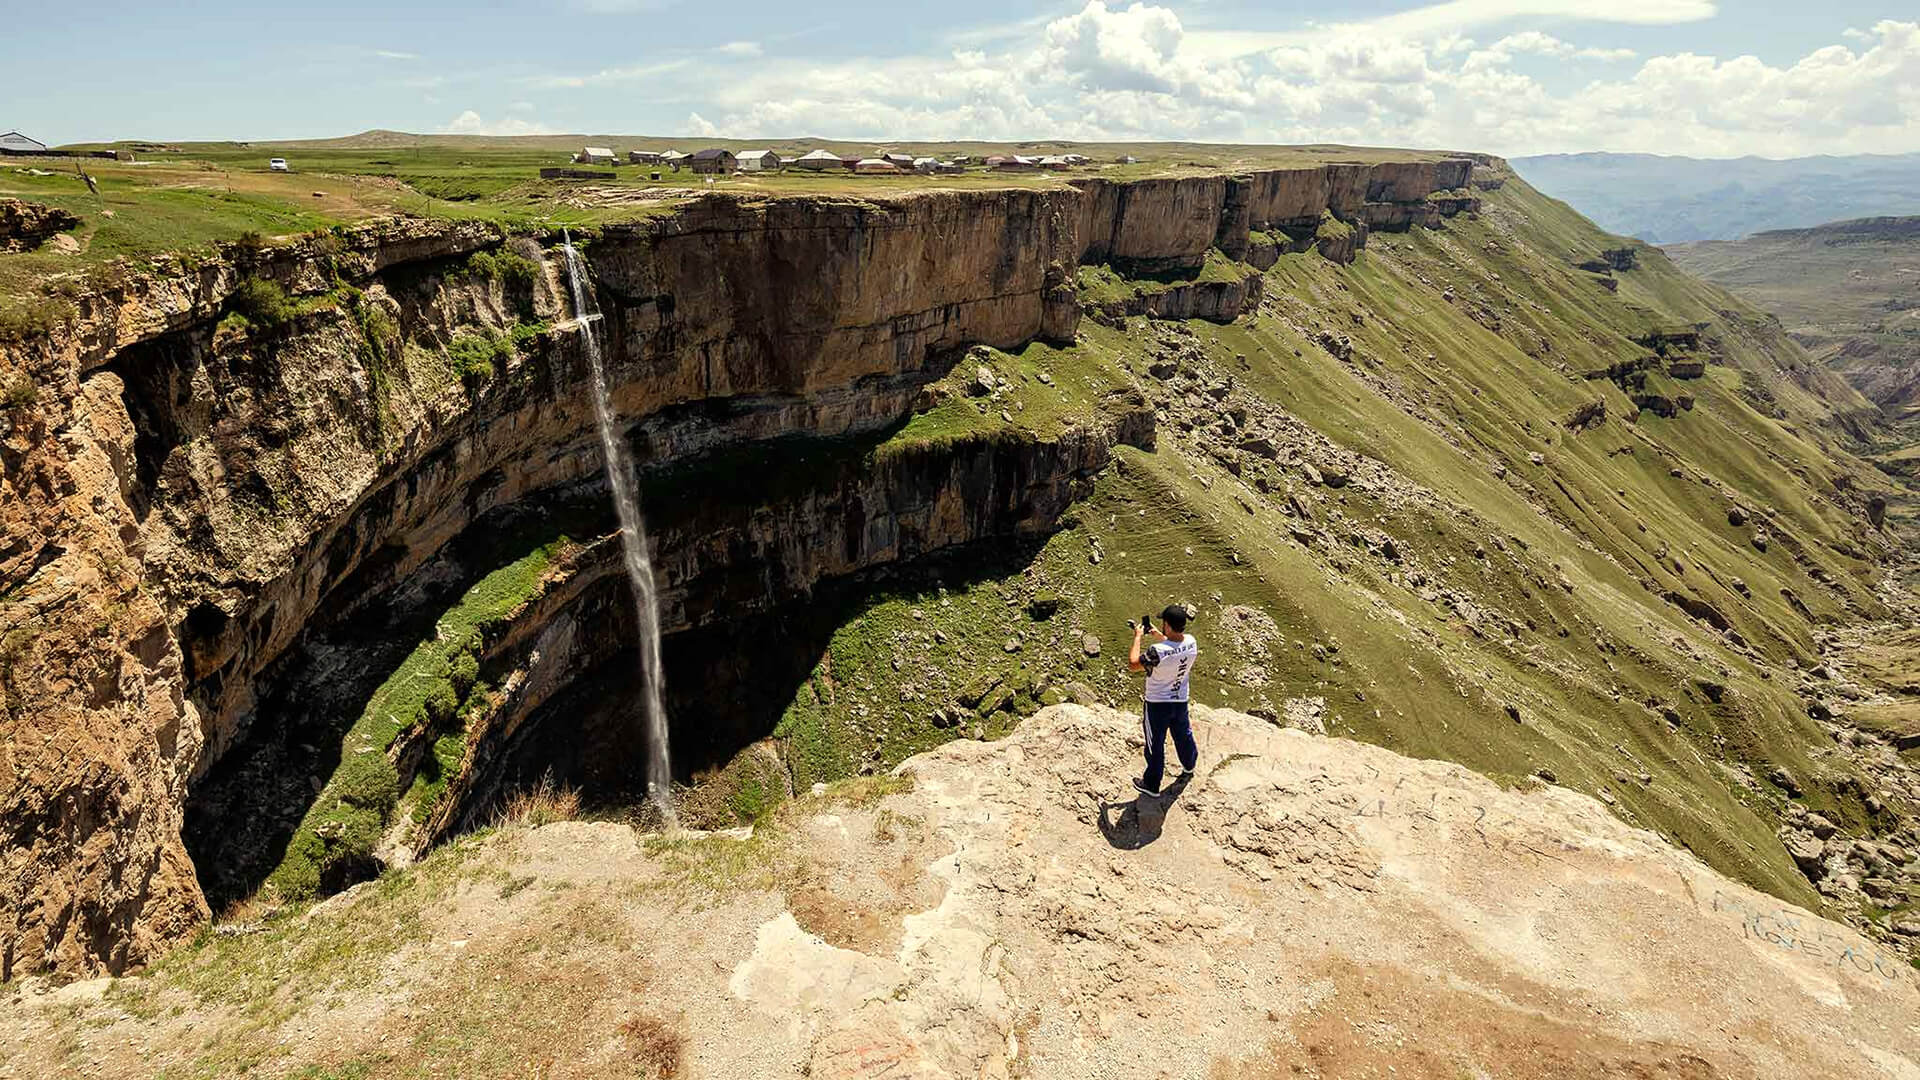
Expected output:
{"points": [[1167, 663]]}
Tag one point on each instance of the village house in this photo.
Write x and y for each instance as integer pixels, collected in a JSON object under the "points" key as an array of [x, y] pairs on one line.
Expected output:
{"points": [[713, 160], [673, 159], [820, 161], [13, 142], [758, 161], [644, 157], [876, 167], [596, 155]]}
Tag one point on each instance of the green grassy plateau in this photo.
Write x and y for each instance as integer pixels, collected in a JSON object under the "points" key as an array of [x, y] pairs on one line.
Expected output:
{"points": [[184, 196]]}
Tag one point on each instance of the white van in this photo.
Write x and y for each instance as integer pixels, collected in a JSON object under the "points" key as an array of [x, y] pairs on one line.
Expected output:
{"points": [[278, 164]]}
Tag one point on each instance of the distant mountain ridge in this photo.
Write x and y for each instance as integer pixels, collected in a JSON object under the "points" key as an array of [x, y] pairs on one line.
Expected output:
{"points": [[1853, 231], [1848, 292], [1676, 200]]}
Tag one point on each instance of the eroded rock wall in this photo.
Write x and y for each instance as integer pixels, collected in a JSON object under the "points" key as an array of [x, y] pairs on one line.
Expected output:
{"points": [[1151, 226], [722, 561]]}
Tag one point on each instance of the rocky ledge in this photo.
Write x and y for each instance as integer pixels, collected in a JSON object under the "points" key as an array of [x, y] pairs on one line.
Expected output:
{"points": [[1305, 905]]}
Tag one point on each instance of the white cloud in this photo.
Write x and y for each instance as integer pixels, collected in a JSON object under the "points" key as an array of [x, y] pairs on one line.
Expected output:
{"points": [[701, 126], [1131, 49], [740, 48], [606, 76], [1459, 15], [1536, 43], [1413, 78], [389, 54], [470, 122], [1444, 25]]}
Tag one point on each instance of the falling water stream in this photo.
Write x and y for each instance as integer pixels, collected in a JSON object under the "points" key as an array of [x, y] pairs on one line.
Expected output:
{"points": [[633, 547]]}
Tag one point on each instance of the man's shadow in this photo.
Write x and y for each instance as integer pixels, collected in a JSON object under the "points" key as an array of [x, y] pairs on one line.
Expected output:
{"points": [[1140, 819]]}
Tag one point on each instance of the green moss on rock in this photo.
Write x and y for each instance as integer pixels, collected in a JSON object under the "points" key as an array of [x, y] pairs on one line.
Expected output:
{"points": [[335, 840]]}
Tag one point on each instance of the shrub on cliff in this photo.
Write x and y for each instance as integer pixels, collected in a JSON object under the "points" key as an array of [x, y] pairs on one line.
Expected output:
{"points": [[248, 246], [19, 394], [441, 704], [474, 357], [464, 672], [511, 270], [263, 302], [22, 319], [518, 275]]}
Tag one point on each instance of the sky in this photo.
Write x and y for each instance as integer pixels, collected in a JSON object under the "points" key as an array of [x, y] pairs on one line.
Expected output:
{"points": [[1704, 78]]}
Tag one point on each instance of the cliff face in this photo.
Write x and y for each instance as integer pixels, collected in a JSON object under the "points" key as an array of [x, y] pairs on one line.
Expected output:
{"points": [[722, 561], [1156, 225], [190, 493]]}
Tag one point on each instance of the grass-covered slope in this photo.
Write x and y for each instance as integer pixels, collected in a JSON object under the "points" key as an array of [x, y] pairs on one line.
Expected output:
{"points": [[427, 697], [1849, 292], [1397, 511]]}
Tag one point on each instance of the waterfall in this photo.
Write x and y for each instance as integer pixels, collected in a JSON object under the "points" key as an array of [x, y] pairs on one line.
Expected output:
{"points": [[633, 547]]}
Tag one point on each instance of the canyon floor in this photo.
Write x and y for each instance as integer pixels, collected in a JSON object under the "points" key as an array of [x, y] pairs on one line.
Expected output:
{"points": [[1303, 906]]}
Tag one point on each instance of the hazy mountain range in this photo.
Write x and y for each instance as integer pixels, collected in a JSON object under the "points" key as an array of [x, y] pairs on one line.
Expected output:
{"points": [[1667, 200]]}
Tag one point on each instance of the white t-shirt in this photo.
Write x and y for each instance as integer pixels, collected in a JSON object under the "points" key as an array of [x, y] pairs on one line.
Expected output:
{"points": [[1167, 680]]}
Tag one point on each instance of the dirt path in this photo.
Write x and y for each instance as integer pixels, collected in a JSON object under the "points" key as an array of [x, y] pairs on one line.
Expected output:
{"points": [[1304, 907]]}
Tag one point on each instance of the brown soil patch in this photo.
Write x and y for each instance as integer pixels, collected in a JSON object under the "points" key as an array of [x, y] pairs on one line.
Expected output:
{"points": [[869, 930], [1386, 1020], [860, 899]]}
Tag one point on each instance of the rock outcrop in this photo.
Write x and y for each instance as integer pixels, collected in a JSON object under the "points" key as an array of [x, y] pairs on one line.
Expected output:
{"points": [[1222, 300], [733, 558], [26, 225]]}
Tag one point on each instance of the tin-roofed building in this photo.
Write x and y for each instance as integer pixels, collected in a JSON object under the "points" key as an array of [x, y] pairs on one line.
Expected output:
{"points": [[820, 161], [713, 160], [16, 143]]}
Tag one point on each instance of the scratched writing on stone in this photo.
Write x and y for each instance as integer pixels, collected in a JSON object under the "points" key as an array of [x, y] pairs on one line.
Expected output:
{"points": [[1392, 805], [1796, 933], [1777, 926]]}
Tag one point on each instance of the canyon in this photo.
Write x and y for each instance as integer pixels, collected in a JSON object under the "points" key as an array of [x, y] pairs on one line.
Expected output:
{"points": [[245, 485]]}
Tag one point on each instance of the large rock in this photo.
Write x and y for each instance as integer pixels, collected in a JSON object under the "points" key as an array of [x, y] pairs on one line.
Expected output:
{"points": [[1808, 853], [26, 225]]}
